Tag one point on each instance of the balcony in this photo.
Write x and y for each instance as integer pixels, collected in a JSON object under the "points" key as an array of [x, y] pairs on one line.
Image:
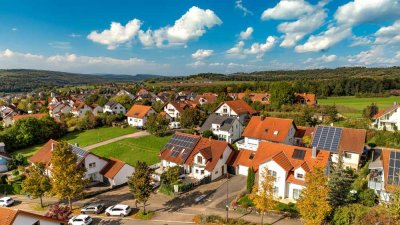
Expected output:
{"points": [[375, 185], [375, 180], [243, 145]]}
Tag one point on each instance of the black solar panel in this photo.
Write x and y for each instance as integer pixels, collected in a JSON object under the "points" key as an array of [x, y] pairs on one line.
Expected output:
{"points": [[327, 138], [229, 120], [299, 154], [181, 144], [80, 153], [394, 168]]}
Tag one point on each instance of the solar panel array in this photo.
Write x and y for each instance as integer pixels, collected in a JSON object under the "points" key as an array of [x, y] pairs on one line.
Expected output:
{"points": [[299, 154], [327, 138], [80, 153], [181, 144], [394, 168]]}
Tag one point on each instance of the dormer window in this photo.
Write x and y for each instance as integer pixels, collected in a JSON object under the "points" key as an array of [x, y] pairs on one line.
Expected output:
{"points": [[199, 159]]}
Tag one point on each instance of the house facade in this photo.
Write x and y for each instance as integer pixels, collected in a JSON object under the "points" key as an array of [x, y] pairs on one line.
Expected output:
{"points": [[236, 108], [114, 108], [226, 128], [138, 114], [387, 119], [79, 109], [175, 109]]}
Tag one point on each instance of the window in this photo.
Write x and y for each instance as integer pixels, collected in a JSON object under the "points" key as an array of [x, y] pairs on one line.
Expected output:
{"points": [[202, 172], [197, 171], [299, 175], [251, 157], [296, 193], [225, 110], [199, 159], [347, 155], [276, 191], [92, 165], [273, 173]]}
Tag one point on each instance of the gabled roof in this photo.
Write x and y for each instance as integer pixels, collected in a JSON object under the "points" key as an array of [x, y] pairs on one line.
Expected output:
{"points": [[225, 122], [255, 97], [306, 98], [386, 111], [209, 97], [268, 128], [8, 216], [180, 106], [240, 107], [37, 116], [385, 156], [112, 168], [138, 111], [112, 104], [182, 154]]}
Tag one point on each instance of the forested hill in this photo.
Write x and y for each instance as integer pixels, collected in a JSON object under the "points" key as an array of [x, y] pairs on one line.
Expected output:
{"points": [[289, 75], [27, 80]]}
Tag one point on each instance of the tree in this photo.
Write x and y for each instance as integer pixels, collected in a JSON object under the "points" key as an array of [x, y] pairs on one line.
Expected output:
{"points": [[208, 134], [124, 100], [251, 177], [370, 111], [189, 118], [157, 125], [68, 178], [171, 176], [37, 183], [394, 203], [140, 183], [59, 212], [313, 203], [263, 197], [307, 140], [281, 93], [340, 184]]}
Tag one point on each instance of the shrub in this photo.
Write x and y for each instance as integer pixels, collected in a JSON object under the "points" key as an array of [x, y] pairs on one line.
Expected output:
{"points": [[15, 172], [144, 215], [290, 208], [166, 189], [368, 197], [349, 214]]}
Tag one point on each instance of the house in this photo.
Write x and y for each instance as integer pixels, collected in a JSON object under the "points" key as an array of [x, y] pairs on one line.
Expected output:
{"points": [[303, 133], [96, 167], [306, 99], [117, 172], [7, 113], [4, 157], [350, 142], [384, 172], [261, 129], [96, 109], [36, 116], [114, 108], [175, 109], [36, 106], [205, 98], [138, 114], [59, 109], [262, 98], [79, 109], [124, 92], [387, 119], [198, 157], [289, 165], [226, 128], [9, 216], [237, 108], [185, 96]]}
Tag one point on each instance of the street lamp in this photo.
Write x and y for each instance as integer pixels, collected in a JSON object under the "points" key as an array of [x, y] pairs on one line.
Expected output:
{"points": [[227, 202]]}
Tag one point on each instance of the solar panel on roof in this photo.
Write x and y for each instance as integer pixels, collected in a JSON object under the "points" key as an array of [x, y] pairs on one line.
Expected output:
{"points": [[298, 154], [181, 144], [229, 120], [327, 138], [394, 168]]}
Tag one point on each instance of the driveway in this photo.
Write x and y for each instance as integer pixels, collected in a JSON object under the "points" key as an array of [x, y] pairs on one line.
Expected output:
{"points": [[134, 135]]}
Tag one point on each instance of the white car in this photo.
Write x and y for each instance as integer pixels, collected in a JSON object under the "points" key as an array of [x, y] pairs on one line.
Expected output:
{"points": [[118, 210], [6, 201], [80, 220]]}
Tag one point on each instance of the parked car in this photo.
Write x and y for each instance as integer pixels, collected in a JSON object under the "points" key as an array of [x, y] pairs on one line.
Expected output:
{"points": [[118, 210], [6, 201], [80, 220], [93, 208]]}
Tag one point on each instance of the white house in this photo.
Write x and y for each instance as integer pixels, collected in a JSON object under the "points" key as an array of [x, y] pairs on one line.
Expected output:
{"points": [[205, 98], [138, 114], [199, 157], [270, 129], [237, 108], [9, 216], [79, 109], [124, 92], [388, 119], [4, 157], [96, 109], [58, 109], [175, 109], [96, 166], [287, 164], [226, 128], [114, 108], [117, 172]]}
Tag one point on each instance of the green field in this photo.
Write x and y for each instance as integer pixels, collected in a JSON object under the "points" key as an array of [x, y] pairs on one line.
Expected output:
{"points": [[84, 138], [352, 106], [133, 149]]}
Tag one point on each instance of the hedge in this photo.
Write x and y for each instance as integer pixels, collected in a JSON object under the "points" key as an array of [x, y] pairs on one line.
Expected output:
{"points": [[11, 189]]}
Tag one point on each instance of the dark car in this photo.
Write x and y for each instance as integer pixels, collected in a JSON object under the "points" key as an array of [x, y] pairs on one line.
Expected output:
{"points": [[93, 208]]}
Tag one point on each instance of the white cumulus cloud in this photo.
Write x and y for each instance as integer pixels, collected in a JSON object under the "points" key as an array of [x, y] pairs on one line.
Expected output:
{"points": [[260, 49], [376, 56], [202, 54], [287, 9], [244, 35], [324, 59], [389, 34], [117, 34]]}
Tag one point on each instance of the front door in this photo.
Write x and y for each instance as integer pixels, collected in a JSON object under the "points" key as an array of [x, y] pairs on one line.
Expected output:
{"points": [[223, 170]]}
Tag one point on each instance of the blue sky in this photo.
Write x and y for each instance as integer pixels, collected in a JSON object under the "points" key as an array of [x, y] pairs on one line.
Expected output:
{"points": [[192, 36]]}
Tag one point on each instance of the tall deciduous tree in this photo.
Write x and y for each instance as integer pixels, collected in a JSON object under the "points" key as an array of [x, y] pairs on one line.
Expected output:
{"points": [[140, 183], [67, 177], [37, 183], [157, 124], [370, 111], [189, 118], [313, 203], [281, 93], [340, 184], [263, 196]]}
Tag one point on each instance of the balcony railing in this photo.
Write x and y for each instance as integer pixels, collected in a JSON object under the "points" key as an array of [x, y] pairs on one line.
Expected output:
{"points": [[244, 145], [375, 183]]}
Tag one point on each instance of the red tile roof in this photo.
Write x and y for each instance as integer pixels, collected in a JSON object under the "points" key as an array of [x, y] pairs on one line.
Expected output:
{"points": [[180, 106], [352, 140], [307, 98], [37, 116], [304, 131], [240, 107], [255, 97], [209, 97], [165, 154], [138, 111], [265, 129], [44, 154], [386, 111], [385, 161], [112, 168], [8, 216]]}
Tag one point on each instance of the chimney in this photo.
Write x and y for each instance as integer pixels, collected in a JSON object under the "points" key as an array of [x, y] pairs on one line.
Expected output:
{"points": [[52, 146], [314, 152], [262, 117]]}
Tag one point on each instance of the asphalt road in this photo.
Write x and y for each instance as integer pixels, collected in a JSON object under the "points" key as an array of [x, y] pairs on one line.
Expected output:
{"points": [[123, 221]]}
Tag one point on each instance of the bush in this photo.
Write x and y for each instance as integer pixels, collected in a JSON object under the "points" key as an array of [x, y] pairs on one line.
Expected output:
{"points": [[214, 219], [166, 189], [368, 197], [184, 187], [144, 215], [245, 202], [15, 172], [208, 133], [10, 189], [349, 214], [290, 208]]}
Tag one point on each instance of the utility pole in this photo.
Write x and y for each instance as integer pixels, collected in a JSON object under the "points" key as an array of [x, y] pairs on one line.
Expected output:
{"points": [[227, 203]]}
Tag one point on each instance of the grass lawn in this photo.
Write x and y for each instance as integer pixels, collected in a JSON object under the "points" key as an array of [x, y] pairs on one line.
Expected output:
{"points": [[84, 138], [352, 107], [133, 149]]}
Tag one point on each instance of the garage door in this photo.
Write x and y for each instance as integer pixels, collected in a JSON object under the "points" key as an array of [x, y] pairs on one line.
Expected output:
{"points": [[243, 170]]}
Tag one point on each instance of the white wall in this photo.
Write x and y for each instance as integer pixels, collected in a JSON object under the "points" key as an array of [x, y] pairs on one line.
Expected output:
{"points": [[171, 111], [388, 121], [217, 172], [243, 170], [135, 122], [100, 164], [291, 187], [351, 162], [230, 112], [280, 176], [122, 176]]}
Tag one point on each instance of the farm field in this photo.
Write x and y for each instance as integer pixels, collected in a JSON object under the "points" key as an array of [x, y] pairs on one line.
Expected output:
{"points": [[84, 138], [352, 107], [133, 149]]}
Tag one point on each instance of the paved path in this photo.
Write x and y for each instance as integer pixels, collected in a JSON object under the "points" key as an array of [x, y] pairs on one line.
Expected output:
{"points": [[134, 135]]}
